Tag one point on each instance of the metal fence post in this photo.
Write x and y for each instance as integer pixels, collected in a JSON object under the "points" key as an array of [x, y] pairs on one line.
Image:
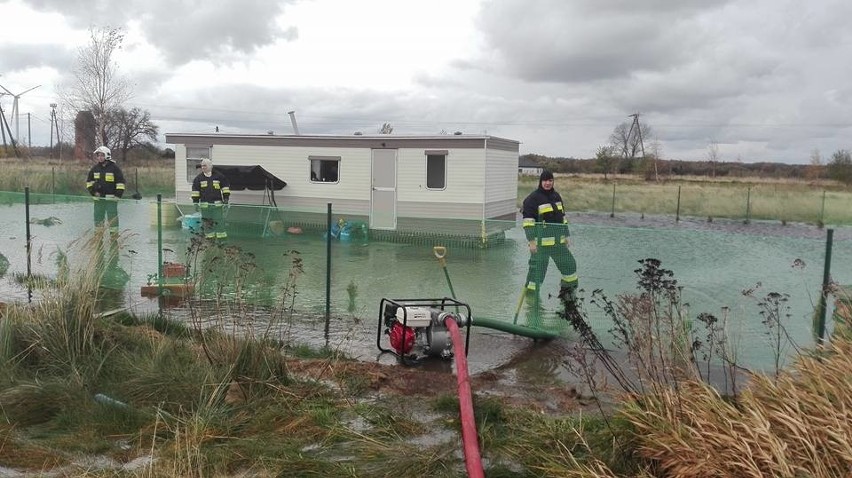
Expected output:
{"points": [[327, 273], [160, 252], [29, 245], [748, 206], [677, 212], [612, 213], [824, 293]]}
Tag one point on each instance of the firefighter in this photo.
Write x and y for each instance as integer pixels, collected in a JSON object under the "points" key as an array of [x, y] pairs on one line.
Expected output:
{"points": [[105, 183], [210, 193], [546, 230]]}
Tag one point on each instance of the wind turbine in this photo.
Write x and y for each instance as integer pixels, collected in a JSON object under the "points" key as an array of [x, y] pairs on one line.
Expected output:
{"points": [[15, 112]]}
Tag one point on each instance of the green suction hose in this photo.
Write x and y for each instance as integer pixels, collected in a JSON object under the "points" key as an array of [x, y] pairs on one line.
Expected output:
{"points": [[515, 329], [524, 331]]}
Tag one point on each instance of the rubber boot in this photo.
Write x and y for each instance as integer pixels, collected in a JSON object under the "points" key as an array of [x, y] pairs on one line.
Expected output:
{"points": [[534, 309], [568, 295]]}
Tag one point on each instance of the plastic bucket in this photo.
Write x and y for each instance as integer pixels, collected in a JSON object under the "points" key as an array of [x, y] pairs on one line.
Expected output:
{"points": [[191, 222]]}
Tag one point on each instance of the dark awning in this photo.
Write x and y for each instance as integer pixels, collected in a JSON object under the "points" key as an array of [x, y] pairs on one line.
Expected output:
{"points": [[254, 178]]}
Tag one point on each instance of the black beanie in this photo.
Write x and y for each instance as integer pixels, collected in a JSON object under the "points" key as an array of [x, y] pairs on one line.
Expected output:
{"points": [[545, 175]]}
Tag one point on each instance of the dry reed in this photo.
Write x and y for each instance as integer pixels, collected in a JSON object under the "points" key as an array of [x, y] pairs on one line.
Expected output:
{"points": [[799, 425]]}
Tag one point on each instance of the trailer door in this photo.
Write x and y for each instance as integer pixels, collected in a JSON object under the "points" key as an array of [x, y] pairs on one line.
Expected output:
{"points": [[383, 195]]}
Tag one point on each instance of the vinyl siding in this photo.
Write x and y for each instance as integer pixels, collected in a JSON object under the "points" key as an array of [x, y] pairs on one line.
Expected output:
{"points": [[293, 166], [501, 185], [502, 175], [478, 181], [504, 208], [465, 177]]}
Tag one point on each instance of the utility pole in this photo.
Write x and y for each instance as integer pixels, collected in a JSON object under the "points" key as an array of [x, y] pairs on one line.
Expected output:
{"points": [[2, 122], [4, 127], [52, 123], [632, 141], [29, 131], [635, 126]]}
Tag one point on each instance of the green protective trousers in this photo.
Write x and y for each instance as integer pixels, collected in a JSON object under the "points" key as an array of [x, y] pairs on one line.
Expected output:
{"points": [[564, 262], [213, 220], [107, 209]]}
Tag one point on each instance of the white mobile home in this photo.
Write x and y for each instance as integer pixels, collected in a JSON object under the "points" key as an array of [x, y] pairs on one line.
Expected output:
{"points": [[528, 167], [443, 185]]}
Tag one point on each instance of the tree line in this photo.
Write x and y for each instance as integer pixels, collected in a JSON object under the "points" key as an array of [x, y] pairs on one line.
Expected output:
{"points": [[64, 150], [633, 149], [672, 167]]}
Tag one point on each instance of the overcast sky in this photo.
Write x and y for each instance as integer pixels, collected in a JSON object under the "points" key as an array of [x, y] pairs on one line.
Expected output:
{"points": [[765, 80]]}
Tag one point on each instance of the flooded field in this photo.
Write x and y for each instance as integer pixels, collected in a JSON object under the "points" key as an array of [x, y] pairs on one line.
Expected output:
{"points": [[714, 262]]}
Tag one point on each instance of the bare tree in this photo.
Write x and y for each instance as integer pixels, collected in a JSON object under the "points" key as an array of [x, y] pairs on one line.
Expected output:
{"points": [[713, 156], [627, 139], [97, 85], [128, 129], [813, 171], [656, 150]]}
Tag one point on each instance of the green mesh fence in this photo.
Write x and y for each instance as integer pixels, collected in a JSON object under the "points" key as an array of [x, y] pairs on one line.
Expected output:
{"points": [[791, 202], [277, 256]]}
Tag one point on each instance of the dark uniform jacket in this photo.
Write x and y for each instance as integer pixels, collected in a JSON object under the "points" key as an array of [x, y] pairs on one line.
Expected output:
{"points": [[211, 189], [105, 179], [544, 216]]}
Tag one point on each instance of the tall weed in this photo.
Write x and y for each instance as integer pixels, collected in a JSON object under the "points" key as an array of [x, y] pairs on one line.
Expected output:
{"points": [[780, 425]]}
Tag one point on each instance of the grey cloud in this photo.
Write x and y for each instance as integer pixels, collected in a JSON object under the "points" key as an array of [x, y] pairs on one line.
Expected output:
{"points": [[83, 13], [655, 7], [760, 76], [556, 41], [700, 84], [245, 108], [185, 30], [21, 57], [214, 28]]}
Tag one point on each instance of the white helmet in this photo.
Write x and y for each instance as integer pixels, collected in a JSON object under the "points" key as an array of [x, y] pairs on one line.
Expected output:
{"points": [[106, 151]]}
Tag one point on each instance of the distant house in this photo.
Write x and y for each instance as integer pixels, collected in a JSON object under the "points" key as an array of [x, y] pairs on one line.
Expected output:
{"points": [[528, 167], [454, 185]]}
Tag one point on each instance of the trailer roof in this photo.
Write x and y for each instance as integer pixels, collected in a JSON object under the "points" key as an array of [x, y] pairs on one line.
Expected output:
{"points": [[362, 141]]}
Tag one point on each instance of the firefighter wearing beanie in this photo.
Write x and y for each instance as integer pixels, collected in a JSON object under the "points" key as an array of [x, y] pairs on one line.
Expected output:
{"points": [[546, 230]]}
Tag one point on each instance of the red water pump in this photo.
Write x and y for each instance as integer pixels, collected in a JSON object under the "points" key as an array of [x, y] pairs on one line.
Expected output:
{"points": [[417, 327]]}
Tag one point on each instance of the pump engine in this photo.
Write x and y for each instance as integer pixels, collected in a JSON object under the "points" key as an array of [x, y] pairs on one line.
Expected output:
{"points": [[417, 326]]}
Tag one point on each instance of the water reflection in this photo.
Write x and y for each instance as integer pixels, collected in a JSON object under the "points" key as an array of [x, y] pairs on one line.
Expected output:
{"points": [[539, 362], [713, 261]]}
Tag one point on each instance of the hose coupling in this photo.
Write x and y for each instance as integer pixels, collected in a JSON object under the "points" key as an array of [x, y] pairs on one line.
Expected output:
{"points": [[459, 318]]}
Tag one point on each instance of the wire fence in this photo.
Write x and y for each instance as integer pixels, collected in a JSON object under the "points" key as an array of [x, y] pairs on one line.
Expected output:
{"points": [[800, 203], [340, 268]]}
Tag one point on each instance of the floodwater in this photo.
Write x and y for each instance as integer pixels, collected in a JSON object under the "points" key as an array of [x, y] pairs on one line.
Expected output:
{"points": [[714, 262]]}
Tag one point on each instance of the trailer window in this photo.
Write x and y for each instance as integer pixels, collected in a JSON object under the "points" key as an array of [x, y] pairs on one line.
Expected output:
{"points": [[436, 169], [194, 155], [325, 169]]}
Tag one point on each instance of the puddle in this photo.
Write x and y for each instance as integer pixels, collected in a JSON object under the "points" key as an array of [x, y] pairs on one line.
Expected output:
{"points": [[713, 261]]}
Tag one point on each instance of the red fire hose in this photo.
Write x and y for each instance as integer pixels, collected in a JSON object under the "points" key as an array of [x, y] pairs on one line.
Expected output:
{"points": [[472, 458]]}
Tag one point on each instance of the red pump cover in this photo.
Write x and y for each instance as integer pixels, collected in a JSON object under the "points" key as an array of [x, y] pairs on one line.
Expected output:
{"points": [[401, 338]]}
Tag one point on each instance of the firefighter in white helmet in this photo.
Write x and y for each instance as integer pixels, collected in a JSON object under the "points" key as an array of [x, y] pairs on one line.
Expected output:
{"points": [[211, 191], [105, 183]]}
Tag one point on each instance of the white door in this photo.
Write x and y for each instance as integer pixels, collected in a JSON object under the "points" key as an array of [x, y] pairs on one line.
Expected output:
{"points": [[383, 196]]}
